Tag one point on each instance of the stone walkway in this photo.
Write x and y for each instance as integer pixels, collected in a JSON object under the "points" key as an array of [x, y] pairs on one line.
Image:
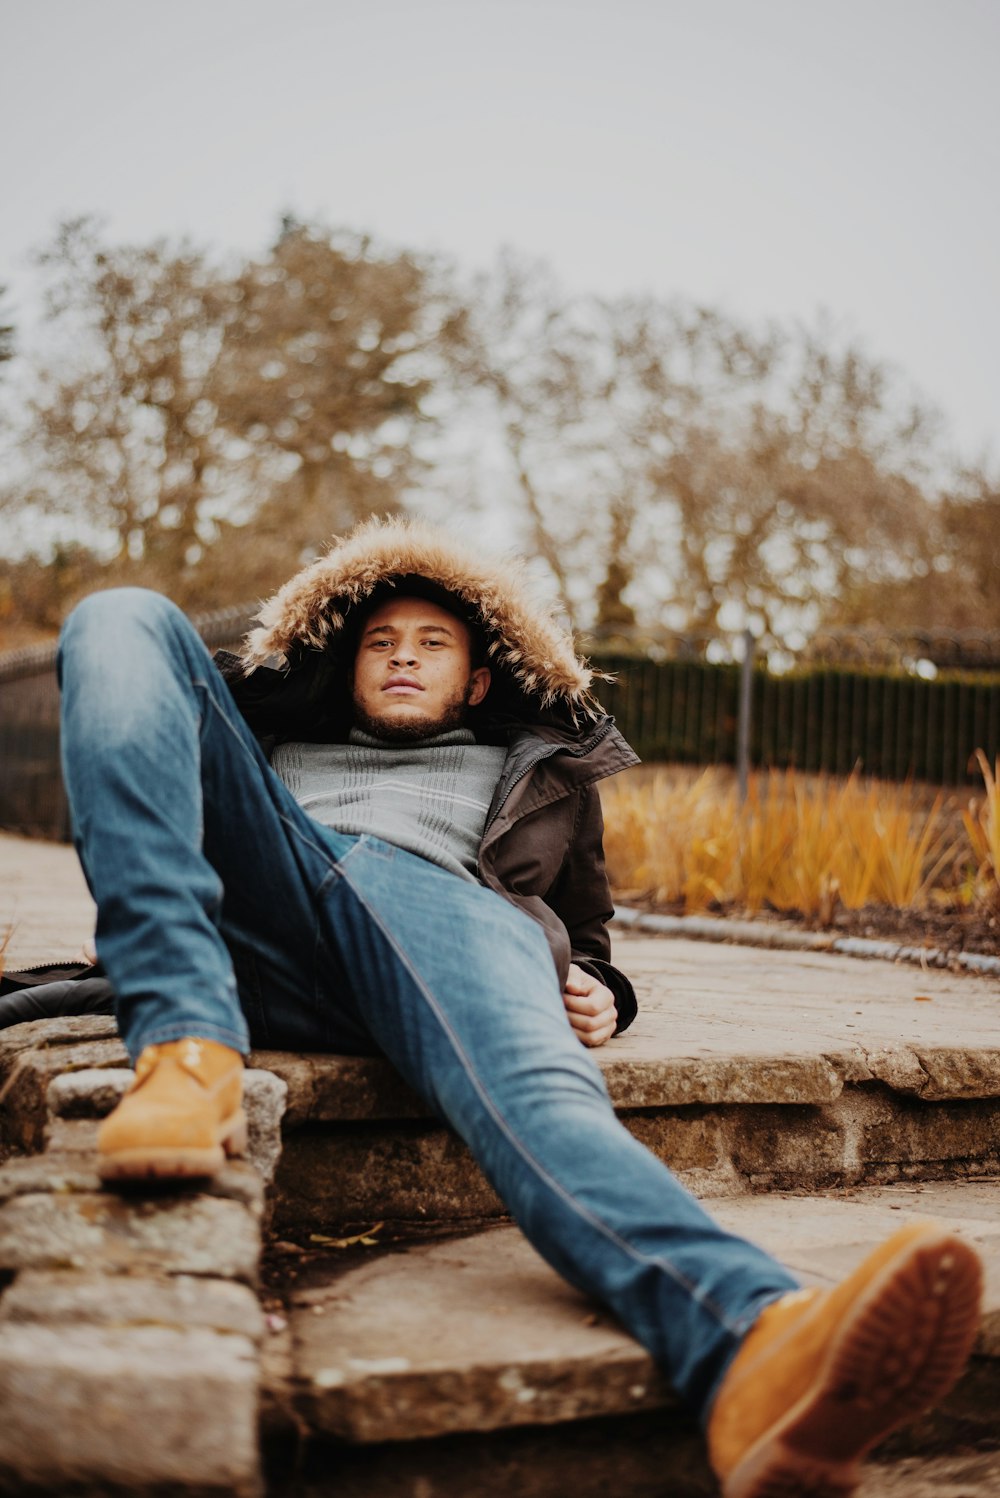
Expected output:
{"points": [[749, 1070], [695, 998], [46, 912]]}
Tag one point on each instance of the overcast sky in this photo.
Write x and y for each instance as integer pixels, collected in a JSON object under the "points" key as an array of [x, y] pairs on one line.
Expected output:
{"points": [[770, 156]]}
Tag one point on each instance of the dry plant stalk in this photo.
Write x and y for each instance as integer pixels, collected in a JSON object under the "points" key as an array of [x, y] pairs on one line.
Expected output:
{"points": [[982, 823]]}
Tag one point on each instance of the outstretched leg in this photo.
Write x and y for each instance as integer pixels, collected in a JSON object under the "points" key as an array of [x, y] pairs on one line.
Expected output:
{"points": [[460, 992]]}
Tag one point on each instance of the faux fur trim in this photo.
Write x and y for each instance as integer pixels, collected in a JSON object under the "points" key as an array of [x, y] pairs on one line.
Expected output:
{"points": [[522, 635]]}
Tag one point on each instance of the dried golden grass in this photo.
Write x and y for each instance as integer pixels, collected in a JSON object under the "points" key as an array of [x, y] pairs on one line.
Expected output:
{"points": [[672, 836], [982, 823], [799, 843]]}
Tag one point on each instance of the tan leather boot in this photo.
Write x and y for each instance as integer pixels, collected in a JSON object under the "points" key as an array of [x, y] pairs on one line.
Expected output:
{"points": [[823, 1375], [181, 1116]]}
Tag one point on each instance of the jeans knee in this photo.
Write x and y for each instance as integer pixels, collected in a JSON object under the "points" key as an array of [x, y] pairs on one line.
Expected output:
{"points": [[113, 605], [101, 617], [113, 625]]}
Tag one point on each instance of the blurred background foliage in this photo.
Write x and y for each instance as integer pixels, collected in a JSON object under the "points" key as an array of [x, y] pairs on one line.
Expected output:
{"points": [[204, 427]]}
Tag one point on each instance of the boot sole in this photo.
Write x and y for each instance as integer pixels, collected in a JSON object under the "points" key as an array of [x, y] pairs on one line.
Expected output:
{"points": [[169, 1162], [899, 1350]]}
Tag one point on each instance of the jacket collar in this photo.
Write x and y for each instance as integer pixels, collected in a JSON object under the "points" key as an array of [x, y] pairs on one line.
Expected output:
{"points": [[582, 761]]}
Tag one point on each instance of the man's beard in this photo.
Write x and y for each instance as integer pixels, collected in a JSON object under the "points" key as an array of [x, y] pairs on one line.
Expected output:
{"points": [[400, 731]]}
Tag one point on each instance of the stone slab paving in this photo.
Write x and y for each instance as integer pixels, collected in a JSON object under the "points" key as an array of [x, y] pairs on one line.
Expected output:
{"points": [[706, 1000], [130, 1333], [697, 1001], [401, 1337], [478, 1333], [45, 907], [726, 1024]]}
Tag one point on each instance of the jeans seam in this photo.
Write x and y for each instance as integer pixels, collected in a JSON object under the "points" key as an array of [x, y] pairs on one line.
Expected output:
{"points": [[324, 853], [655, 1261]]}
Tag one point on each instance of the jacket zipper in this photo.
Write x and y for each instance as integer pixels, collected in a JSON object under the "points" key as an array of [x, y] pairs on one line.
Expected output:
{"points": [[25, 968], [550, 749]]}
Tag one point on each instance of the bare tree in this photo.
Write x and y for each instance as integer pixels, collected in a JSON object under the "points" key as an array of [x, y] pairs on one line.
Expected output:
{"points": [[122, 438], [954, 587], [186, 401], [324, 372], [678, 470]]}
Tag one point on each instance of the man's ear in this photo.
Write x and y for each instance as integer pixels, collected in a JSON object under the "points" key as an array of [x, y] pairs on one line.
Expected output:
{"points": [[479, 683]]}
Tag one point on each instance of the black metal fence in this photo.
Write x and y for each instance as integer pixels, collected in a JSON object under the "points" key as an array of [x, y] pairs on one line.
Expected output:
{"points": [[889, 725], [888, 709]]}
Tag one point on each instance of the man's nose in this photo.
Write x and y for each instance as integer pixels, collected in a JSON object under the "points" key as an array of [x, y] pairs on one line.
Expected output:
{"points": [[402, 656]]}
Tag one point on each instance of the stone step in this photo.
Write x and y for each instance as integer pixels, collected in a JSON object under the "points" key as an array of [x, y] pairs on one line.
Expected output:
{"points": [[745, 1071], [56, 1073], [130, 1333], [414, 1366], [346, 1142], [129, 1383], [359, 1146], [799, 1084]]}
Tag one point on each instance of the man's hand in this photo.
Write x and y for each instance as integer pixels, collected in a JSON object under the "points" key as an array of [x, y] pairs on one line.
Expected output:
{"points": [[590, 1006]]}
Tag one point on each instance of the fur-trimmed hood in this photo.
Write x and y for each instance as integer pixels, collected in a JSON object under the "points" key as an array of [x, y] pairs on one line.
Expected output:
{"points": [[524, 643]]}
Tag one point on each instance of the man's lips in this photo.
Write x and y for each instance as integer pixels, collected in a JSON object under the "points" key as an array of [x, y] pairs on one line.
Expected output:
{"points": [[403, 685]]}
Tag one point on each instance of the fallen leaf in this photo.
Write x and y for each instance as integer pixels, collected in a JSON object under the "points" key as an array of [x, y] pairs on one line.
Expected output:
{"points": [[366, 1238]]}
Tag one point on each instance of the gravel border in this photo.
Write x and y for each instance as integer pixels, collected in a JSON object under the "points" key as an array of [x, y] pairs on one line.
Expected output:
{"points": [[759, 934]]}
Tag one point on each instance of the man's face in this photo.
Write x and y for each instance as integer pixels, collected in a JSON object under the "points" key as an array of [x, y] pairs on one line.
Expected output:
{"points": [[413, 673]]}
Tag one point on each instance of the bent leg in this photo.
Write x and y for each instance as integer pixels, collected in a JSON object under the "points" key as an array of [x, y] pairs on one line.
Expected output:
{"points": [[461, 994], [186, 836]]}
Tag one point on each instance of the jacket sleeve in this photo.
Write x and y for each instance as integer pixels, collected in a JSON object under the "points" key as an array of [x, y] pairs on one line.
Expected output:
{"points": [[581, 898], [54, 1000]]}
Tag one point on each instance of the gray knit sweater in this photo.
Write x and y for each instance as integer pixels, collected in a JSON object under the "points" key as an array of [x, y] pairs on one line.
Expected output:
{"points": [[430, 796]]}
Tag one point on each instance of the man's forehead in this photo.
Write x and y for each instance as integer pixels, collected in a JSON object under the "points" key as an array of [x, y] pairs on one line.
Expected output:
{"points": [[408, 609]]}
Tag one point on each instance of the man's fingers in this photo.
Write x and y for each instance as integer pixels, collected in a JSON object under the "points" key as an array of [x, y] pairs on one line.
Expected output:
{"points": [[591, 1024], [588, 1021], [589, 1003], [591, 1036], [590, 1007]]}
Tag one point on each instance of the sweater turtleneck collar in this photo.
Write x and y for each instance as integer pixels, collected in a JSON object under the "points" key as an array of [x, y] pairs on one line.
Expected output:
{"points": [[434, 741]]}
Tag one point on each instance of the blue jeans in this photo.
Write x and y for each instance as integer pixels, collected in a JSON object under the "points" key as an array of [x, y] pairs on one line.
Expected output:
{"points": [[226, 912]]}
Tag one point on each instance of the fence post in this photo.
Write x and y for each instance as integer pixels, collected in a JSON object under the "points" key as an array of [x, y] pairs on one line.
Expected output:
{"points": [[746, 709]]}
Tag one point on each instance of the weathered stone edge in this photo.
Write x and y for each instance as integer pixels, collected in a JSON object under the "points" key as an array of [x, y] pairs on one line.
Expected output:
{"points": [[339, 1089], [329, 1088]]}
